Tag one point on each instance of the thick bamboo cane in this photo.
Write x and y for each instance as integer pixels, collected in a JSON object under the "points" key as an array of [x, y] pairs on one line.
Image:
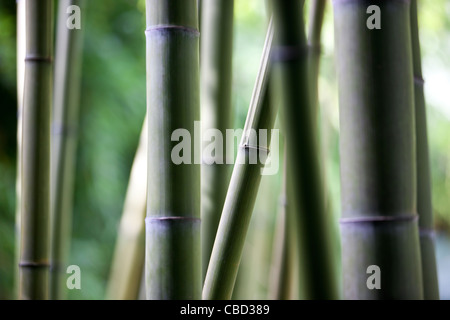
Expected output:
{"points": [[35, 184], [303, 153], [173, 248], [424, 205], [380, 241]]}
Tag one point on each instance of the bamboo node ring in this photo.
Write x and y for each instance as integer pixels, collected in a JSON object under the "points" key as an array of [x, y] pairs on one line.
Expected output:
{"points": [[380, 219], [34, 264], [37, 58], [159, 27]]}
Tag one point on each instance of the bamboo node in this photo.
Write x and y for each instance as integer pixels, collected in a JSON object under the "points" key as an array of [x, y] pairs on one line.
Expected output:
{"points": [[380, 219], [288, 53], [149, 219], [258, 148], [38, 58], [192, 31], [419, 80], [34, 264], [427, 232]]}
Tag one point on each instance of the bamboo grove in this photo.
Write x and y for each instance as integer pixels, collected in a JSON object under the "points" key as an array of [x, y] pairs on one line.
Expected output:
{"points": [[186, 226]]}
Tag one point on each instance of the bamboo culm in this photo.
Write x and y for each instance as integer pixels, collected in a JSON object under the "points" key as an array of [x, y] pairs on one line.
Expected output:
{"points": [[291, 62], [35, 181], [64, 129], [242, 190], [379, 229], [21, 48], [316, 15], [129, 255], [215, 77], [424, 205], [173, 248], [282, 275]]}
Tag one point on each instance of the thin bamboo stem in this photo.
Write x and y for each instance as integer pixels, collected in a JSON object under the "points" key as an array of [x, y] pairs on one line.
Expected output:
{"points": [[281, 286], [173, 248], [377, 146], [64, 144], [35, 206], [21, 51], [316, 15], [129, 256], [424, 205], [317, 278], [215, 77], [243, 188]]}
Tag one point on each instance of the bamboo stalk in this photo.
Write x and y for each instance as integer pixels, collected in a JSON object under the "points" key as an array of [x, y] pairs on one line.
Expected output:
{"points": [[64, 144], [35, 210], [215, 77], [129, 256], [316, 15], [281, 285], [377, 147], [424, 205], [242, 191], [252, 281], [173, 248], [299, 115], [21, 49]]}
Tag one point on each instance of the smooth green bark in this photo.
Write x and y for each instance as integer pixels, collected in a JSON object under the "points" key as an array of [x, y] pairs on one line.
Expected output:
{"points": [[173, 252], [378, 151], [243, 188], [282, 276], [35, 184], [316, 15], [67, 78], [424, 205], [291, 61], [129, 255], [21, 47], [216, 67]]}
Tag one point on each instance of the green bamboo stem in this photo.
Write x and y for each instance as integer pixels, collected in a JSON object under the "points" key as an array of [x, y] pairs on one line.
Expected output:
{"points": [[242, 191], [142, 292], [67, 78], [281, 286], [35, 206], [316, 15], [377, 146], [424, 205], [173, 248], [252, 281], [128, 261], [314, 243], [215, 77], [21, 47]]}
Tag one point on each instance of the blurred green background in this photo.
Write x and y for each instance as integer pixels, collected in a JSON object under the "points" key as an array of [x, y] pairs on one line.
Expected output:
{"points": [[113, 108]]}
